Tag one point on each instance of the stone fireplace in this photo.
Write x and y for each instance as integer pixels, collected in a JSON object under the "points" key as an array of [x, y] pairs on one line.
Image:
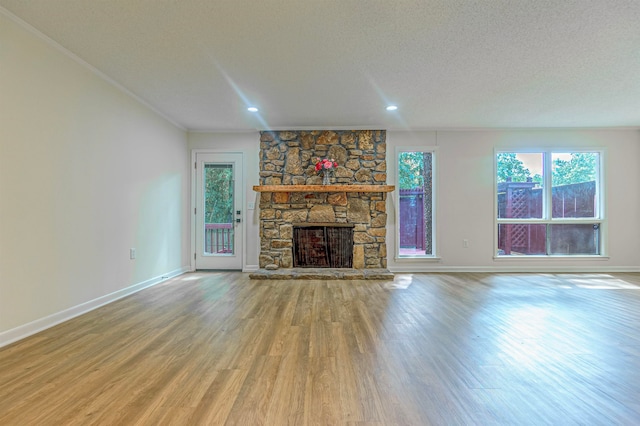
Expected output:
{"points": [[291, 194]]}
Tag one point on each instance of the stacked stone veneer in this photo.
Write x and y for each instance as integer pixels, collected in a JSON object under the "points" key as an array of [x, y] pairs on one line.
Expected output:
{"points": [[289, 157]]}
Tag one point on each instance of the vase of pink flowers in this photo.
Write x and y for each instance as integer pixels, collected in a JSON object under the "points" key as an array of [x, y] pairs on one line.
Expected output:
{"points": [[326, 167]]}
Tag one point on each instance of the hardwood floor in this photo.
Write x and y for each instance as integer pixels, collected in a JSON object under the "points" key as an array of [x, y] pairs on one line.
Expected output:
{"points": [[441, 349]]}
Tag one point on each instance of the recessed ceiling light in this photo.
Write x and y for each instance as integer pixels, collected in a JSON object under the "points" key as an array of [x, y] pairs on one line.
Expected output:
{"points": [[392, 108], [252, 109]]}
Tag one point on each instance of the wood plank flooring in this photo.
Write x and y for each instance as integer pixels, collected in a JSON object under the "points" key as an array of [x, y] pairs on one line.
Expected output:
{"points": [[423, 349]]}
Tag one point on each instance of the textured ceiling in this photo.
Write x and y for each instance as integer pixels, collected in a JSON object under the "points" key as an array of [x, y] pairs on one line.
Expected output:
{"points": [[338, 63]]}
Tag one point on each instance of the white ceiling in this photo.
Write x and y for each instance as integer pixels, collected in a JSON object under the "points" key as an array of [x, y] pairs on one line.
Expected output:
{"points": [[338, 63]]}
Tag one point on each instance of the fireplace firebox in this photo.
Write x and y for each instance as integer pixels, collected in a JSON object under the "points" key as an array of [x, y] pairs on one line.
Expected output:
{"points": [[323, 245]]}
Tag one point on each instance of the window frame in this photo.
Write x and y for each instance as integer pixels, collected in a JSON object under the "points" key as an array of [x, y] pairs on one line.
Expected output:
{"points": [[434, 193], [547, 219]]}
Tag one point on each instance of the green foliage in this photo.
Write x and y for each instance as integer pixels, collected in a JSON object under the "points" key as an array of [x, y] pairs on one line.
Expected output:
{"points": [[510, 166], [218, 194], [582, 167], [410, 170]]}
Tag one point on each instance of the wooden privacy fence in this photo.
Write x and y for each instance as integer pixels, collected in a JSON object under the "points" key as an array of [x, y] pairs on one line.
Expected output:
{"points": [[218, 238], [524, 200], [412, 233]]}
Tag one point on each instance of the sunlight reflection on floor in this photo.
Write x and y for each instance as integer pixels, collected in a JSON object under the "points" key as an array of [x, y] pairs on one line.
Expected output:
{"points": [[602, 282], [400, 282]]}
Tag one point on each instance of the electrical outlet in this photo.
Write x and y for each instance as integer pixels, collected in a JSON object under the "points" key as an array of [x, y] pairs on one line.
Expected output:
{"points": [[251, 205], [465, 243], [132, 253]]}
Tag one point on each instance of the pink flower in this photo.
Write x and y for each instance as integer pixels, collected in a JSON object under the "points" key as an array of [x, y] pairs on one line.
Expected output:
{"points": [[325, 163]]}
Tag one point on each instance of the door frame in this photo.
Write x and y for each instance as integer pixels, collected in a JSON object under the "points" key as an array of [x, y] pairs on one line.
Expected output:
{"points": [[194, 188]]}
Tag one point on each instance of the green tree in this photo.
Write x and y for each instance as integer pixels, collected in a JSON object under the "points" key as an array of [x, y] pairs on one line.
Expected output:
{"points": [[509, 166], [582, 167], [410, 170]]}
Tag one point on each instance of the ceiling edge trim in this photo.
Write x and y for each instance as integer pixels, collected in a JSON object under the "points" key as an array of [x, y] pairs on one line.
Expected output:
{"points": [[415, 129]]}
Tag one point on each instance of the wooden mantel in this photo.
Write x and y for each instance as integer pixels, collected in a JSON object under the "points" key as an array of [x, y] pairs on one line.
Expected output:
{"points": [[323, 188]]}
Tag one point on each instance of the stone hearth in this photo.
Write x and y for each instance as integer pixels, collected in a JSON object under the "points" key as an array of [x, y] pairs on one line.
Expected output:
{"points": [[322, 274]]}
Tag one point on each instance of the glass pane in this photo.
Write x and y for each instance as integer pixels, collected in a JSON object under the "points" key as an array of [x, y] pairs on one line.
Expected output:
{"points": [[574, 239], [218, 209], [415, 177], [519, 177], [574, 177], [521, 239]]}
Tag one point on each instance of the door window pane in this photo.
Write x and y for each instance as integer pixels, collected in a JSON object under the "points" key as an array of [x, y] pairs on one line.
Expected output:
{"points": [[218, 209]]}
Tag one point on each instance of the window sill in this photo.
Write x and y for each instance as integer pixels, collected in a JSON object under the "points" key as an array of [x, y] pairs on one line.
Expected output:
{"points": [[417, 259], [551, 257]]}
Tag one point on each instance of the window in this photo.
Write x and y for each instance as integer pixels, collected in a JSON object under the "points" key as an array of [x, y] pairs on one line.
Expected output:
{"points": [[415, 206], [549, 203]]}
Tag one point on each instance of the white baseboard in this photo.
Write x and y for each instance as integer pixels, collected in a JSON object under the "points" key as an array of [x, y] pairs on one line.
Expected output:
{"points": [[250, 268], [26, 330], [513, 269]]}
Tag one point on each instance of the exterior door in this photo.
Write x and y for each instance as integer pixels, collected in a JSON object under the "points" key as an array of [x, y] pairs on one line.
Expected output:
{"points": [[218, 211]]}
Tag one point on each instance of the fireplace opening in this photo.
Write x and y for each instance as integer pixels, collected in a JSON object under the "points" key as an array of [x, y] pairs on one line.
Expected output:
{"points": [[323, 245]]}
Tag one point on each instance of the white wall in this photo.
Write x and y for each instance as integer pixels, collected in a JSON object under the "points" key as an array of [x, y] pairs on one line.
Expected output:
{"points": [[247, 143], [86, 173], [465, 200]]}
